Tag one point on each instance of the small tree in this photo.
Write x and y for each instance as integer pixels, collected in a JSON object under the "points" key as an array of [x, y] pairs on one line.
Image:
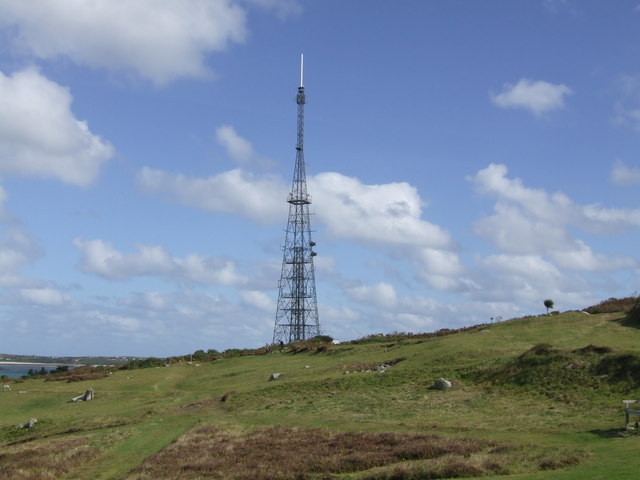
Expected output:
{"points": [[549, 304]]}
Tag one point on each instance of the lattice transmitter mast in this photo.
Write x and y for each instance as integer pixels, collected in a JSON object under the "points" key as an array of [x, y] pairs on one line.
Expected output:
{"points": [[297, 312]]}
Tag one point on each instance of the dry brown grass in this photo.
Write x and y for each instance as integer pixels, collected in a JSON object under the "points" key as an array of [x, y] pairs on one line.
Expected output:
{"points": [[48, 460], [284, 453], [281, 453]]}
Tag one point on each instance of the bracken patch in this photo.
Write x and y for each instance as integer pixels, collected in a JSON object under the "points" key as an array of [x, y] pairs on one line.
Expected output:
{"points": [[283, 453], [48, 460]]}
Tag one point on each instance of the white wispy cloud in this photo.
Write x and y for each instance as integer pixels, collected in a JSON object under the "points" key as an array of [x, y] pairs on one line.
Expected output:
{"points": [[530, 223], [239, 148], [258, 300], [621, 174], [552, 208], [101, 258], [514, 281], [45, 296], [626, 109], [538, 96], [381, 295], [237, 191], [18, 249], [40, 136], [155, 39]]}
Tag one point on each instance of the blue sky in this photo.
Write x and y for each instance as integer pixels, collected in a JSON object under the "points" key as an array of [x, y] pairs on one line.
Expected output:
{"points": [[467, 160]]}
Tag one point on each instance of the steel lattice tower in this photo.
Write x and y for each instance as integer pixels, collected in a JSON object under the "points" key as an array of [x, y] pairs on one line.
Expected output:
{"points": [[297, 312]]}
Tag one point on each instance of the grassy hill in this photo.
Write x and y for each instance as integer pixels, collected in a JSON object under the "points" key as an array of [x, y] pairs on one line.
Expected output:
{"points": [[532, 398]]}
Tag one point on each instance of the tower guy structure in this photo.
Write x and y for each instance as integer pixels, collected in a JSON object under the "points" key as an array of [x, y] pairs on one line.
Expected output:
{"points": [[297, 312]]}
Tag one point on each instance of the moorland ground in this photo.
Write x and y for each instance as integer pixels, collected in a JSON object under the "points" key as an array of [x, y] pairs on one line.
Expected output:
{"points": [[532, 398]]}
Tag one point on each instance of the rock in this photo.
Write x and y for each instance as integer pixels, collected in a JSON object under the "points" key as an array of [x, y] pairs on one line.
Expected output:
{"points": [[442, 384], [29, 424], [274, 376], [88, 395]]}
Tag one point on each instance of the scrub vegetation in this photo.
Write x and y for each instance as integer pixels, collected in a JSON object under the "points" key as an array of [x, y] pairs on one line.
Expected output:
{"points": [[532, 398]]}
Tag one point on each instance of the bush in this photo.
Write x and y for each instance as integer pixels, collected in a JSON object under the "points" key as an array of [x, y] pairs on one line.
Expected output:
{"points": [[614, 305], [634, 313]]}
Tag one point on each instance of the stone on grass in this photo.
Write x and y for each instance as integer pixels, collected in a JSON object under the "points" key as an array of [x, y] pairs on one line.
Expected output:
{"points": [[442, 384], [85, 397], [29, 424]]}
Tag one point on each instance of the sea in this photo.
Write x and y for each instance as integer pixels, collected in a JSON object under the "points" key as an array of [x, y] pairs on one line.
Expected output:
{"points": [[17, 370]]}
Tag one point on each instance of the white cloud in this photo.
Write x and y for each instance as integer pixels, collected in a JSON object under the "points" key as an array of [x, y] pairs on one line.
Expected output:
{"points": [[102, 259], [39, 136], [627, 114], [239, 148], [235, 191], [538, 97], [48, 297], [381, 295], [258, 300], [626, 110], [389, 217], [531, 222], [120, 322], [527, 280], [159, 40], [153, 301], [554, 209], [17, 249], [623, 175], [382, 215]]}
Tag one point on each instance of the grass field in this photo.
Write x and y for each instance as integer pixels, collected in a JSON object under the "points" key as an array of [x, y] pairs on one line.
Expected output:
{"points": [[529, 401]]}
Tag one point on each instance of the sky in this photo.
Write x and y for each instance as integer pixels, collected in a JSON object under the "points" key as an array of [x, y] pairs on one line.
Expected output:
{"points": [[466, 161]]}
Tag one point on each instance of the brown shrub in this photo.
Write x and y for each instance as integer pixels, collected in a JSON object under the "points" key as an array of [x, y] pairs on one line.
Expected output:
{"points": [[78, 374], [45, 461], [287, 454], [613, 305]]}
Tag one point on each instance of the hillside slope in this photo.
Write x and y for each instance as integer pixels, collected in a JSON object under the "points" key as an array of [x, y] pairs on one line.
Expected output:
{"points": [[528, 401]]}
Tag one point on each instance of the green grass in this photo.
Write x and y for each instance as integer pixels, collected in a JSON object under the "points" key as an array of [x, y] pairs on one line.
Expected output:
{"points": [[557, 410]]}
